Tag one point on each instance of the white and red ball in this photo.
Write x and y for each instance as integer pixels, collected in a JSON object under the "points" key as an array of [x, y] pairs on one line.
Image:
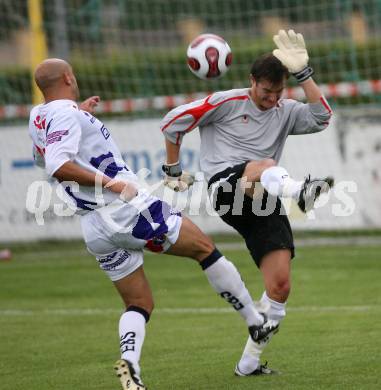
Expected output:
{"points": [[209, 56]]}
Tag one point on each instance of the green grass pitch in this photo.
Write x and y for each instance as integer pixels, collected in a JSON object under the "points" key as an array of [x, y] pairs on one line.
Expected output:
{"points": [[59, 315]]}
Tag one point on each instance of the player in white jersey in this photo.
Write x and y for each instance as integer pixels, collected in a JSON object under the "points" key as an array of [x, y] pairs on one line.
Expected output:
{"points": [[243, 132], [118, 217]]}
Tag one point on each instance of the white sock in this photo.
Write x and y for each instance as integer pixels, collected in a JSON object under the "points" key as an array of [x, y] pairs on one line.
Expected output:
{"points": [[274, 310], [132, 332], [226, 280], [251, 354], [250, 357], [277, 182]]}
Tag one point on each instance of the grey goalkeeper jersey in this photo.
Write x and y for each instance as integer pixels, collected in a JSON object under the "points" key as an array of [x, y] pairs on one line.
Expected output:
{"points": [[234, 130]]}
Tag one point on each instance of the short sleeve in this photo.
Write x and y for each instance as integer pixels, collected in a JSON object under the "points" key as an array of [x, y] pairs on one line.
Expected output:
{"points": [[63, 134]]}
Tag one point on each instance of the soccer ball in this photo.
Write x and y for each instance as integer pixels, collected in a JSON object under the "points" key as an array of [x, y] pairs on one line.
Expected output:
{"points": [[209, 56]]}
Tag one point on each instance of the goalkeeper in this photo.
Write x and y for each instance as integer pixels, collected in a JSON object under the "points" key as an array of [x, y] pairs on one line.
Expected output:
{"points": [[243, 132]]}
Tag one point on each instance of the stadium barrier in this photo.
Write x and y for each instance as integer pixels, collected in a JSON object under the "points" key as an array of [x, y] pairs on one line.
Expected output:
{"points": [[123, 106], [350, 150]]}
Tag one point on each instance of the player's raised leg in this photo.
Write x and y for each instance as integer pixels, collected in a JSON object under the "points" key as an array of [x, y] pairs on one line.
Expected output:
{"points": [[277, 182], [221, 273]]}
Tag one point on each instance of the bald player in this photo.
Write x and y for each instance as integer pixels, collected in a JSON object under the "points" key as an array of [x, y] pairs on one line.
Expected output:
{"points": [[243, 132], [119, 219]]}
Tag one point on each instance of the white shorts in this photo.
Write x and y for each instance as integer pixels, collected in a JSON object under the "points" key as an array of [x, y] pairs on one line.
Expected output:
{"points": [[117, 234]]}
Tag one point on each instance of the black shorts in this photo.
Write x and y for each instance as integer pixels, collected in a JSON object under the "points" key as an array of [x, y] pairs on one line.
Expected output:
{"points": [[263, 223]]}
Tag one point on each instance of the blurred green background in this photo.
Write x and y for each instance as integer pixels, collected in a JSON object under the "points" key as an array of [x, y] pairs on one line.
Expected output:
{"points": [[136, 48]]}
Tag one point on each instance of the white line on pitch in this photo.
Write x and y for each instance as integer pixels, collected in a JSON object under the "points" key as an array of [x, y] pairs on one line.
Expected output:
{"points": [[184, 310], [303, 242]]}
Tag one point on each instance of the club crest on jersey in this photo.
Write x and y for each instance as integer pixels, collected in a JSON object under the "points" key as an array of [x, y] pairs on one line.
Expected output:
{"points": [[40, 122], [245, 119]]}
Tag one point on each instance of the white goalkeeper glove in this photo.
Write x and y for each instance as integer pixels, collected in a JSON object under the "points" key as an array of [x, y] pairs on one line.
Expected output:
{"points": [[175, 178], [292, 53]]}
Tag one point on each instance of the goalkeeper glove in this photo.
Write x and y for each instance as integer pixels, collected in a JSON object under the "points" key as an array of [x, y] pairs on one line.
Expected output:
{"points": [[292, 53], [175, 178]]}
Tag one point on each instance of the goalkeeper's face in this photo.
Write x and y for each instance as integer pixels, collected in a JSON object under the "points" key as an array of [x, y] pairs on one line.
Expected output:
{"points": [[266, 94]]}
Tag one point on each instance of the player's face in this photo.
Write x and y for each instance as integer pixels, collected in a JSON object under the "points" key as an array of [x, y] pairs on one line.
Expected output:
{"points": [[265, 94]]}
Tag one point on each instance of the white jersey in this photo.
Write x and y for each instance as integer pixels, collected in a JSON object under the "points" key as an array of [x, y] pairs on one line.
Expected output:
{"points": [[234, 130], [62, 132], [115, 234]]}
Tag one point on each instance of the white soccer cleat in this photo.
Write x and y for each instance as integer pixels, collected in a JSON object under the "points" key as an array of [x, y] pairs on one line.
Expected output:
{"points": [[127, 375], [311, 190]]}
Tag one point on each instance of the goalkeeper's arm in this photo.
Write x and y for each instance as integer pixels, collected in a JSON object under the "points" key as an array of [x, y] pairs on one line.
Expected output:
{"points": [[175, 178], [311, 90], [173, 151]]}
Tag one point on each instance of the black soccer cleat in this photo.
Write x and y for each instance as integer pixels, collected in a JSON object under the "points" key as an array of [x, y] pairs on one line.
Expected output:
{"points": [[262, 333], [127, 375], [261, 370], [311, 190]]}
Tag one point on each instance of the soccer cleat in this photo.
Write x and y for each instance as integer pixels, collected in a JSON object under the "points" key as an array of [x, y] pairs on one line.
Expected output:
{"points": [[311, 190], [262, 333], [127, 375], [261, 370]]}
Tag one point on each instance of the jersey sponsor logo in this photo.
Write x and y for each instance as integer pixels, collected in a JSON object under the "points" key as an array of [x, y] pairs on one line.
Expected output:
{"points": [[56, 136], [105, 132]]}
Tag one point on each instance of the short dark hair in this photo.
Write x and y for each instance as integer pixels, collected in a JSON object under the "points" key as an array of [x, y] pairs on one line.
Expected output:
{"points": [[268, 67]]}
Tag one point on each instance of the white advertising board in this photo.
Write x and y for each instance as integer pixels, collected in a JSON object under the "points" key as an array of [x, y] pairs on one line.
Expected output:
{"points": [[350, 150]]}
